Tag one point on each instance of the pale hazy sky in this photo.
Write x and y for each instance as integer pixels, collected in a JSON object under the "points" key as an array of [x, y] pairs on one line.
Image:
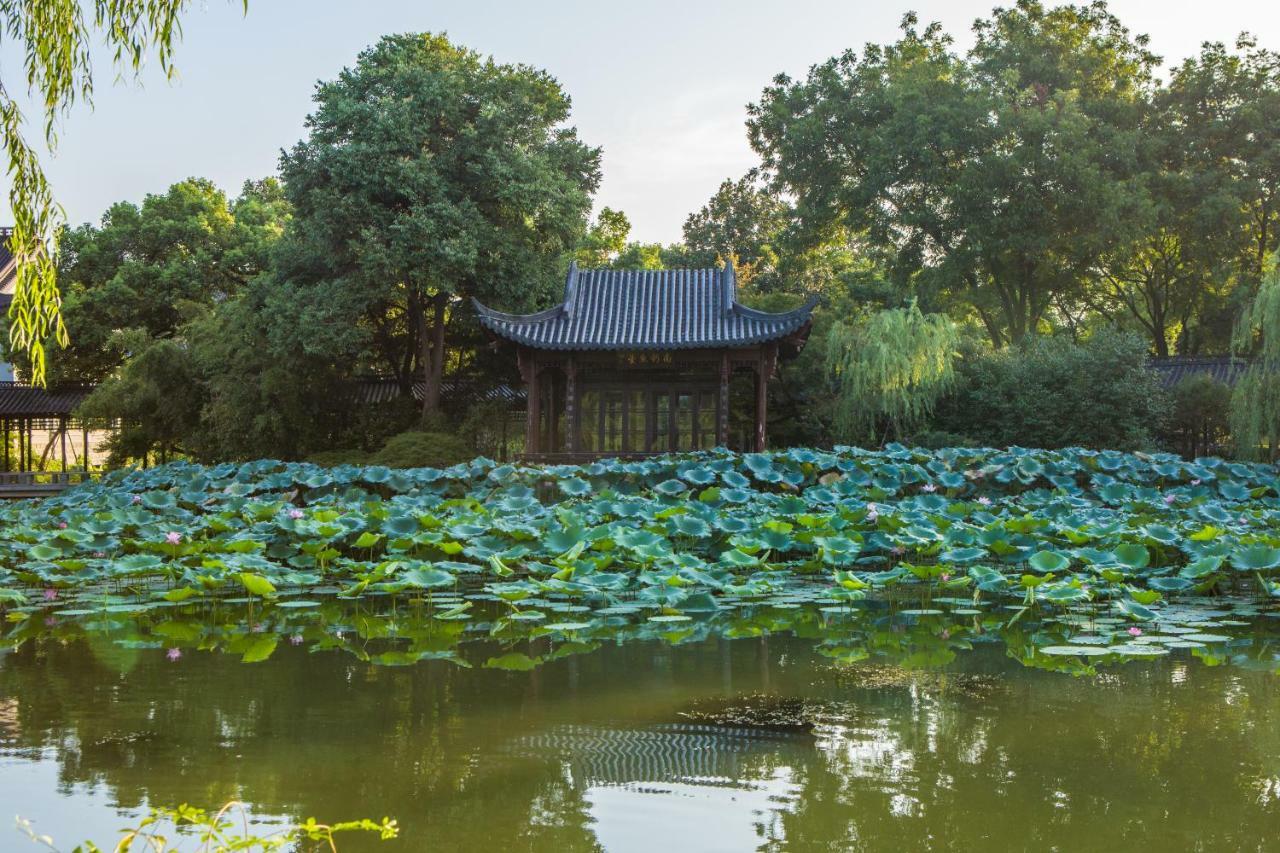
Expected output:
{"points": [[661, 86]]}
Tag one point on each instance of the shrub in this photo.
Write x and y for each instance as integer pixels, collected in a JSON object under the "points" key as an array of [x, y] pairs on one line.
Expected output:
{"points": [[342, 456], [416, 449], [1055, 392], [1199, 423]]}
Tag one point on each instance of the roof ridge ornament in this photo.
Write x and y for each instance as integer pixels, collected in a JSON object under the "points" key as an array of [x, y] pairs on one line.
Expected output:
{"points": [[570, 288], [728, 287]]}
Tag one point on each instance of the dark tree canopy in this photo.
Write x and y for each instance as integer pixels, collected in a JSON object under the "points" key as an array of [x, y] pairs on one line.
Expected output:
{"points": [[430, 175], [997, 177]]}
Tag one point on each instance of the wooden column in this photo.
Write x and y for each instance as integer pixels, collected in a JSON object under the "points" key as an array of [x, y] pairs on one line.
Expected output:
{"points": [[762, 403], [722, 412], [84, 438], [535, 410], [62, 442], [6, 444], [570, 405], [764, 370]]}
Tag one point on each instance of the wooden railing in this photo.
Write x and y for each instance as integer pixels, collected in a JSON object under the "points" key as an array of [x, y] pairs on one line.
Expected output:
{"points": [[38, 484]]}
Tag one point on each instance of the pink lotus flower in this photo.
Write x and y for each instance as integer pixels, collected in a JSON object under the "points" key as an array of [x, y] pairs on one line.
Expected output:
{"points": [[137, 499], [173, 654], [1170, 499], [1195, 482], [99, 554], [984, 501], [173, 537], [1135, 632], [296, 513], [295, 640], [51, 594], [928, 487], [946, 634], [62, 525], [872, 513], [946, 576]]}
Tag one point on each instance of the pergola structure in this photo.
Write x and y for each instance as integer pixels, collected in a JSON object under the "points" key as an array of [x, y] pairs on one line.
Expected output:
{"points": [[637, 362], [31, 416]]}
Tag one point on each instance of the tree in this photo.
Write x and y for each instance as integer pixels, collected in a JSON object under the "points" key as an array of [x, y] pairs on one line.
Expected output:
{"points": [[1255, 400], [1207, 211], [429, 175], [889, 371], [604, 240], [1226, 107], [997, 177], [151, 268], [55, 39], [740, 224], [139, 284]]}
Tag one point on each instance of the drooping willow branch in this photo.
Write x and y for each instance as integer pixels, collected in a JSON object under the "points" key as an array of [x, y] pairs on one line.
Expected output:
{"points": [[889, 370], [55, 36]]}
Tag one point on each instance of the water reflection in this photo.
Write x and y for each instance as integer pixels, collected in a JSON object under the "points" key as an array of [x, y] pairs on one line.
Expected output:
{"points": [[595, 750]]}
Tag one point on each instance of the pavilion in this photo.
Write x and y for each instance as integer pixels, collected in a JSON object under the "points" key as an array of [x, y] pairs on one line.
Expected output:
{"points": [[637, 362]]}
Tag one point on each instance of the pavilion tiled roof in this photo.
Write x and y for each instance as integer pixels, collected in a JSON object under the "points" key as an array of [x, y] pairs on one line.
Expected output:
{"points": [[1174, 369], [605, 309]]}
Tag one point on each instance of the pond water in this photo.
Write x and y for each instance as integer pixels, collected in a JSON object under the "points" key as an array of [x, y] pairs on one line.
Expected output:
{"points": [[763, 740]]}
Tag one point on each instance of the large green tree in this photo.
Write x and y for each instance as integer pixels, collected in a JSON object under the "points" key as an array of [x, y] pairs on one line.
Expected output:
{"points": [[137, 284], [148, 269], [430, 175], [997, 177]]}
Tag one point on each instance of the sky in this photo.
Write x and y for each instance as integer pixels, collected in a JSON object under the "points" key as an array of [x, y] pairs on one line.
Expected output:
{"points": [[660, 86]]}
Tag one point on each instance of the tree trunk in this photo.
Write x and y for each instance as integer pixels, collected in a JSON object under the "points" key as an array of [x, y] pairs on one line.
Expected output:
{"points": [[433, 356]]}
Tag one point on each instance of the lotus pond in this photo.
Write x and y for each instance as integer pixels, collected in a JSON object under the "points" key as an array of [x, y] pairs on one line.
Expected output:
{"points": [[806, 649]]}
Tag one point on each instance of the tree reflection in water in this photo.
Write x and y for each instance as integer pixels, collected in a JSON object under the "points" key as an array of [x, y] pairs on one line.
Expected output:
{"points": [[591, 750]]}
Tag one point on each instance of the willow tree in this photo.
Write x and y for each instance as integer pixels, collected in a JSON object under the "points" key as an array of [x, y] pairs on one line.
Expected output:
{"points": [[54, 39], [889, 370], [1255, 402]]}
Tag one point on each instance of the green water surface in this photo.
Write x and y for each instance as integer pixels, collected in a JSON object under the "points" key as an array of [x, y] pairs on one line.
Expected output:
{"points": [[648, 746]]}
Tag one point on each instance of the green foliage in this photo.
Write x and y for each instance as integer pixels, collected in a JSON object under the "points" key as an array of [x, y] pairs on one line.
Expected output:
{"points": [[664, 548], [416, 449], [1255, 402], [604, 240], [889, 369], [430, 175], [224, 831], [1043, 177], [55, 40], [1054, 392], [1199, 421]]}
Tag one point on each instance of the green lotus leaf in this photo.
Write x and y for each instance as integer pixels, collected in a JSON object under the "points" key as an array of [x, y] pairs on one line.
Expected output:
{"points": [[1252, 558], [1048, 561]]}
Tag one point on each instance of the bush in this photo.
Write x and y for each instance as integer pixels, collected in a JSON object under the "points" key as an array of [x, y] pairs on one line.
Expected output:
{"points": [[342, 456], [1198, 424], [1054, 392], [416, 449]]}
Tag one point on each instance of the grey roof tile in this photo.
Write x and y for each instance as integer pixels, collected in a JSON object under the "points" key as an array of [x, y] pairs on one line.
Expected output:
{"points": [[606, 309]]}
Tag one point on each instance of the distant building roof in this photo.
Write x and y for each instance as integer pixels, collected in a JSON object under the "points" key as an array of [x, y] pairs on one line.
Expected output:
{"points": [[372, 390], [607, 309], [1174, 369], [19, 400]]}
